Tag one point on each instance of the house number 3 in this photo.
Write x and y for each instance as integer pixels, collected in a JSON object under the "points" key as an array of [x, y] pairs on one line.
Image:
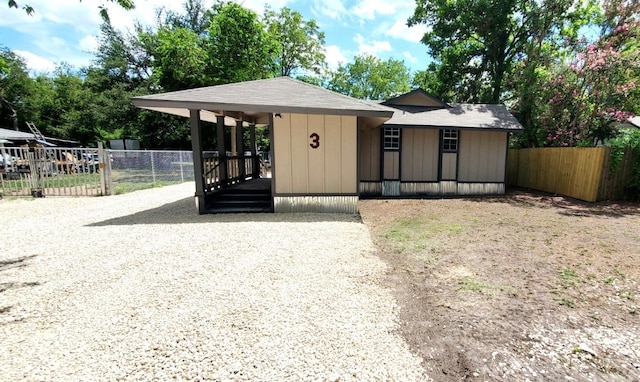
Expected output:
{"points": [[315, 141]]}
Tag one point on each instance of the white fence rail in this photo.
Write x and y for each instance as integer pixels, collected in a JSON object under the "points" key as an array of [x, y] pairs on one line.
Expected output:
{"points": [[45, 171]]}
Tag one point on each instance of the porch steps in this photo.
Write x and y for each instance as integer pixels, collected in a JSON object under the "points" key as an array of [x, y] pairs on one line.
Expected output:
{"points": [[235, 200]]}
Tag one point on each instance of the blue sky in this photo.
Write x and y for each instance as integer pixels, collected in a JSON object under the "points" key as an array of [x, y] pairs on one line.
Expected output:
{"points": [[66, 30]]}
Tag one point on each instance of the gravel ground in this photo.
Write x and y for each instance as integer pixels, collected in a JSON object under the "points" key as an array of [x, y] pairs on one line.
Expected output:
{"points": [[139, 287]]}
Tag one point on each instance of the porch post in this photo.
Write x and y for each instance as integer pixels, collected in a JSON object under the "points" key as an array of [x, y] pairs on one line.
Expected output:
{"points": [[240, 148], [222, 152], [198, 170], [254, 151]]}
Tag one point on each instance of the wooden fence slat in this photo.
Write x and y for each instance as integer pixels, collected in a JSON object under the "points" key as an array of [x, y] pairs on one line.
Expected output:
{"points": [[579, 172]]}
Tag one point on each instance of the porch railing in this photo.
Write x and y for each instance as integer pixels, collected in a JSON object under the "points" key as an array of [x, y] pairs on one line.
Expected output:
{"points": [[219, 171]]}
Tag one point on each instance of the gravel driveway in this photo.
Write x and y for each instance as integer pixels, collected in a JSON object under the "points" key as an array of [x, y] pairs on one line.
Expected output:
{"points": [[137, 287]]}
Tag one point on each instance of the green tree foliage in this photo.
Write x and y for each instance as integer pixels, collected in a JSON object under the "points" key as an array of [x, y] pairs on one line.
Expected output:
{"points": [[369, 77], [179, 59], [476, 43], [238, 46], [15, 89], [300, 43]]}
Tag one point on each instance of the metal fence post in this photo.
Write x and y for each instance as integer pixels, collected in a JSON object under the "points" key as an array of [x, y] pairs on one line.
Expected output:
{"points": [[102, 168], [153, 169], [181, 169]]}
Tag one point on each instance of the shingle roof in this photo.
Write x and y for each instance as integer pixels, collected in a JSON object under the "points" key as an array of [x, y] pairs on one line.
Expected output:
{"points": [[464, 116], [274, 95]]}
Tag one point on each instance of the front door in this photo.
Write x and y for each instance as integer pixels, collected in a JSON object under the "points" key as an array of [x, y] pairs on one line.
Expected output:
{"points": [[391, 161], [449, 155]]}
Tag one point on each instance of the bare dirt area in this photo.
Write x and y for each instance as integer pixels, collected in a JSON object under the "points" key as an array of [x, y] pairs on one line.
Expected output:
{"points": [[521, 287]]}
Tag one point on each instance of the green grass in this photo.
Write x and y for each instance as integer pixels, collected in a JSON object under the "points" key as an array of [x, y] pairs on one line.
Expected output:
{"points": [[124, 187], [567, 303], [471, 285], [569, 278], [412, 234]]}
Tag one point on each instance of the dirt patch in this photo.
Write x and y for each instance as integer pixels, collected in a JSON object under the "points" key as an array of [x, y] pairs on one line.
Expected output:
{"points": [[525, 286]]}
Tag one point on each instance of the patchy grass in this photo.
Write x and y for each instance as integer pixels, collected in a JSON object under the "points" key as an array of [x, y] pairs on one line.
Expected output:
{"points": [[413, 234], [487, 283]]}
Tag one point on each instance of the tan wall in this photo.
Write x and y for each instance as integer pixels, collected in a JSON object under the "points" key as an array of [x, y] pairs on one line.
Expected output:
{"points": [[420, 155], [301, 169], [482, 156], [369, 154], [391, 165]]}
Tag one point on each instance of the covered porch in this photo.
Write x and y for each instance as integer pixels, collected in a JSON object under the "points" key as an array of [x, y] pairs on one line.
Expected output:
{"points": [[313, 135]]}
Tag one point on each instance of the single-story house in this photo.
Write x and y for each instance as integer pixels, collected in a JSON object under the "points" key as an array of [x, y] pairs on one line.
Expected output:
{"points": [[328, 149]]}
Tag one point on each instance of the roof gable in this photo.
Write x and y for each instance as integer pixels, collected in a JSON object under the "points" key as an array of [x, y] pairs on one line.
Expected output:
{"points": [[417, 97]]}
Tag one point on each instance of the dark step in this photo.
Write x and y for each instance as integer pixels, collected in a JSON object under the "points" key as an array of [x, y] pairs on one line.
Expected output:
{"points": [[237, 210], [235, 196]]}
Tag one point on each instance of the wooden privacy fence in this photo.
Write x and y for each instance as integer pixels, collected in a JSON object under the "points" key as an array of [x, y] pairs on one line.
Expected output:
{"points": [[581, 173]]}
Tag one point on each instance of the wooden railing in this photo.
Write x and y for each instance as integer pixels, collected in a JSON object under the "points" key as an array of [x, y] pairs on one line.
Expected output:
{"points": [[220, 171]]}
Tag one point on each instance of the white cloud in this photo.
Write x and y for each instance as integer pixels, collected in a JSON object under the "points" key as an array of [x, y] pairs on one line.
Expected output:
{"points": [[367, 9], [333, 9], [88, 44], [371, 48], [335, 56], [409, 56], [35, 62], [402, 31]]}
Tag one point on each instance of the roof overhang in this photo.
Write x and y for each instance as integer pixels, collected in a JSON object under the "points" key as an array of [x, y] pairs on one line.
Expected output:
{"points": [[248, 112], [256, 101]]}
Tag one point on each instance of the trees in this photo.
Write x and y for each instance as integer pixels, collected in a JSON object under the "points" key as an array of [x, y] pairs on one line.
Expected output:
{"points": [[300, 42], [368, 77], [238, 46], [15, 88], [476, 43], [599, 87]]}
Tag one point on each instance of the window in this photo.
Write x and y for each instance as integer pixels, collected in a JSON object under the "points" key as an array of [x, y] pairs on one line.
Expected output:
{"points": [[450, 141], [391, 138]]}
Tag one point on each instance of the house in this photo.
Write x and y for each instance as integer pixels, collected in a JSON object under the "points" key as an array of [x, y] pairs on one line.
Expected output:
{"points": [[328, 149], [431, 148]]}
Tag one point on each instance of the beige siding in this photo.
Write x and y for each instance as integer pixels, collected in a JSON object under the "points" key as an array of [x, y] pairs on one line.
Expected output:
{"points": [[369, 154], [332, 152], [282, 153], [300, 153], [482, 156], [449, 166], [329, 169], [316, 157], [420, 155], [349, 155], [391, 165]]}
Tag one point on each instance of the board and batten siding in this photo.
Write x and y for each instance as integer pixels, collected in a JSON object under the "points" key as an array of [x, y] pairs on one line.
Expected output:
{"points": [[391, 165], [420, 155], [300, 169], [369, 154], [482, 156]]}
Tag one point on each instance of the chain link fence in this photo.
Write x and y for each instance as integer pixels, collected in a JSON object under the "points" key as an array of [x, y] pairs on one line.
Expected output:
{"points": [[131, 170], [89, 172]]}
